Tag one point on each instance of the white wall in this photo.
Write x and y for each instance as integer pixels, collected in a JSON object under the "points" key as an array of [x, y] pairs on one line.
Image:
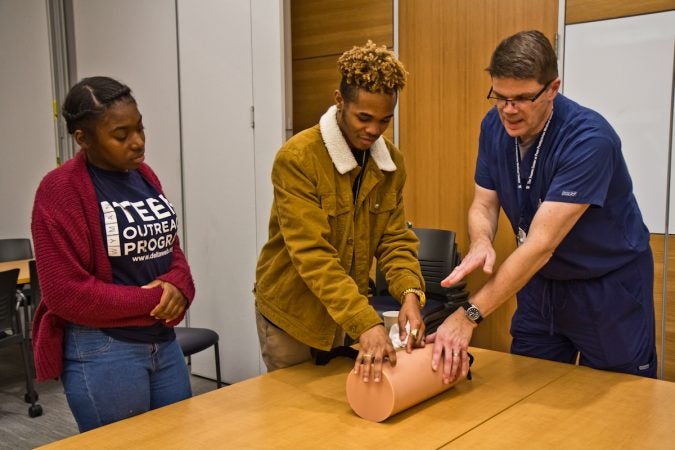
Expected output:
{"points": [[28, 148], [231, 58], [196, 69], [134, 41], [216, 100], [269, 97], [270, 83], [623, 68]]}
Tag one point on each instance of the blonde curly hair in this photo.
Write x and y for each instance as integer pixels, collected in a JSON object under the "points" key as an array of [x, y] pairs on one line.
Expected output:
{"points": [[372, 68]]}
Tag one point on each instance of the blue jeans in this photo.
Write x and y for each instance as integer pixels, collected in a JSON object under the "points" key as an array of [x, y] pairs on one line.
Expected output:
{"points": [[106, 380]]}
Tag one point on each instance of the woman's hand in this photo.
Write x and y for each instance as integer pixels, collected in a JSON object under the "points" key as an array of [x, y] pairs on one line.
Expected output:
{"points": [[172, 303], [374, 346]]}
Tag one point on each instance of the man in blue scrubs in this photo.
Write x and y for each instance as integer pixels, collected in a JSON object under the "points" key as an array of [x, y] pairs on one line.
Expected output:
{"points": [[583, 268]]}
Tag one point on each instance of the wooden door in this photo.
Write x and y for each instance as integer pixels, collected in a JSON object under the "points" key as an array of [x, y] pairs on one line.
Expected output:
{"points": [[446, 46], [321, 30]]}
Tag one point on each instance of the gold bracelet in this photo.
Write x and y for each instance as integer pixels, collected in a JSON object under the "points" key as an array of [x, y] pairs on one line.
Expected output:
{"points": [[420, 295]]}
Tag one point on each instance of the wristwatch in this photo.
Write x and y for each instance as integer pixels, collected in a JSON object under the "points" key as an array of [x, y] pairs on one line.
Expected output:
{"points": [[472, 313], [418, 292]]}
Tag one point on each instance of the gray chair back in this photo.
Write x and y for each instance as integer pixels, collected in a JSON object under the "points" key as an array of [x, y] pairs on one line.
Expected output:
{"points": [[34, 290], [12, 334], [13, 249], [437, 256], [8, 316]]}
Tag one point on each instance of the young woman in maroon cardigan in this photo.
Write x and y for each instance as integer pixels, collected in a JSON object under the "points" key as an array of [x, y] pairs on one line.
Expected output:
{"points": [[113, 277]]}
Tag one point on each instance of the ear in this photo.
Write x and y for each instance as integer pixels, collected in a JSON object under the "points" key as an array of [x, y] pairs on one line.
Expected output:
{"points": [[81, 138], [339, 101], [555, 87]]}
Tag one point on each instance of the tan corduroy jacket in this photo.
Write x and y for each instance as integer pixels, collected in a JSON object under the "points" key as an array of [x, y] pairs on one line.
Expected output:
{"points": [[312, 274]]}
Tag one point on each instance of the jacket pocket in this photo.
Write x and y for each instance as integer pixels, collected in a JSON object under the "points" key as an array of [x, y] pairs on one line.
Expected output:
{"points": [[384, 203], [380, 209], [339, 214], [82, 342]]}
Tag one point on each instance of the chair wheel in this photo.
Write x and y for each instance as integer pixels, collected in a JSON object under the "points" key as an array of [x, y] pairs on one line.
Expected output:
{"points": [[35, 411], [30, 397]]}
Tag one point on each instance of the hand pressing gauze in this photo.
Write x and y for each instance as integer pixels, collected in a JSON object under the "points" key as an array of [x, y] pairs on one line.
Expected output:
{"points": [[395, 339], [410, 382]]}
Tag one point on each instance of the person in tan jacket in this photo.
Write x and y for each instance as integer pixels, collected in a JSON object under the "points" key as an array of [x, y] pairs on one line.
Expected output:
{"points": [[338, 203]]}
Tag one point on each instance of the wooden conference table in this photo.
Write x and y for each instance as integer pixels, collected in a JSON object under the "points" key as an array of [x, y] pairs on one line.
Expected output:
{"points": [[512, 402], [22, 265]]}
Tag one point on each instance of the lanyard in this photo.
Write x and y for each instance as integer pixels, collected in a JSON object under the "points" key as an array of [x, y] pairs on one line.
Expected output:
{"points": [[523, 228], [536, 156]]}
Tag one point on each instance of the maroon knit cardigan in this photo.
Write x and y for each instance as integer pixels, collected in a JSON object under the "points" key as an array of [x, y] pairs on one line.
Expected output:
{"points": [[74, 271]]}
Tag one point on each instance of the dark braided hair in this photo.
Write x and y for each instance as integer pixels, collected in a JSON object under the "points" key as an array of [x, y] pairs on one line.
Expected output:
{"points": [[90, 98]]}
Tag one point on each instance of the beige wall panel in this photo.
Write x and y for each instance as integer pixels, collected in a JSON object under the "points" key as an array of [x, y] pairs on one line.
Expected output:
{"points": [[314, 82], [446, 45], [669, 354], [577, 11], [669, 327], [329, 27], [656, 242]]}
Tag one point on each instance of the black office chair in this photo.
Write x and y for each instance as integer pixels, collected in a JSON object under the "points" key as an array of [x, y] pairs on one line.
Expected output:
{"points": [[194, 340], [438, 256], [12, 334], [12, 249], [32, 300]]}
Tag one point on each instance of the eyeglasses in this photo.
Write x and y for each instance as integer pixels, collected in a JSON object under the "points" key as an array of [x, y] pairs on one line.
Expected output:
{"points": [[516, 102]]}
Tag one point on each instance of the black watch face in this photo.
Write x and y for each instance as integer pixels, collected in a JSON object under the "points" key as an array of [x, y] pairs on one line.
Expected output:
{"points": [[473, 313]]}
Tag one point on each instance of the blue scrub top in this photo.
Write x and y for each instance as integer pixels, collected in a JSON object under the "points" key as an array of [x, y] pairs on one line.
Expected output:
{"points": [[580, 161]]}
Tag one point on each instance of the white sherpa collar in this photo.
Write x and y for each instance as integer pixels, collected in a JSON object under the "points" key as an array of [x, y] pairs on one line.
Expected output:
{"points": [[339, 151]]}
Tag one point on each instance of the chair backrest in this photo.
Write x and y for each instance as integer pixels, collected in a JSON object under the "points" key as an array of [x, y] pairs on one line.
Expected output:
{"points": [[8, 280], [437, 256], [12, 249], [35, 292]]}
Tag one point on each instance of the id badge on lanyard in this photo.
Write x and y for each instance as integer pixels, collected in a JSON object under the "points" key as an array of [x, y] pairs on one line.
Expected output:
{"points": [[526, 215], [522, 235], [527, 210], [525, 206]]}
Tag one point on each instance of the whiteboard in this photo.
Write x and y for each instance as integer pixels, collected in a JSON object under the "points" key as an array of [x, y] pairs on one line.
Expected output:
{"points": [[623, 69]]}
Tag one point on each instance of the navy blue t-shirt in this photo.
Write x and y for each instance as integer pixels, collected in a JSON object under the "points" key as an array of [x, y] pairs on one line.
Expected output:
{"points": [[580, 161], [139, 228]]}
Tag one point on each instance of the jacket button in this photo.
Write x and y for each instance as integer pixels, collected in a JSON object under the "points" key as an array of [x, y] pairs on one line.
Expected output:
{"points": [[377, 206], [350, 241]]}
